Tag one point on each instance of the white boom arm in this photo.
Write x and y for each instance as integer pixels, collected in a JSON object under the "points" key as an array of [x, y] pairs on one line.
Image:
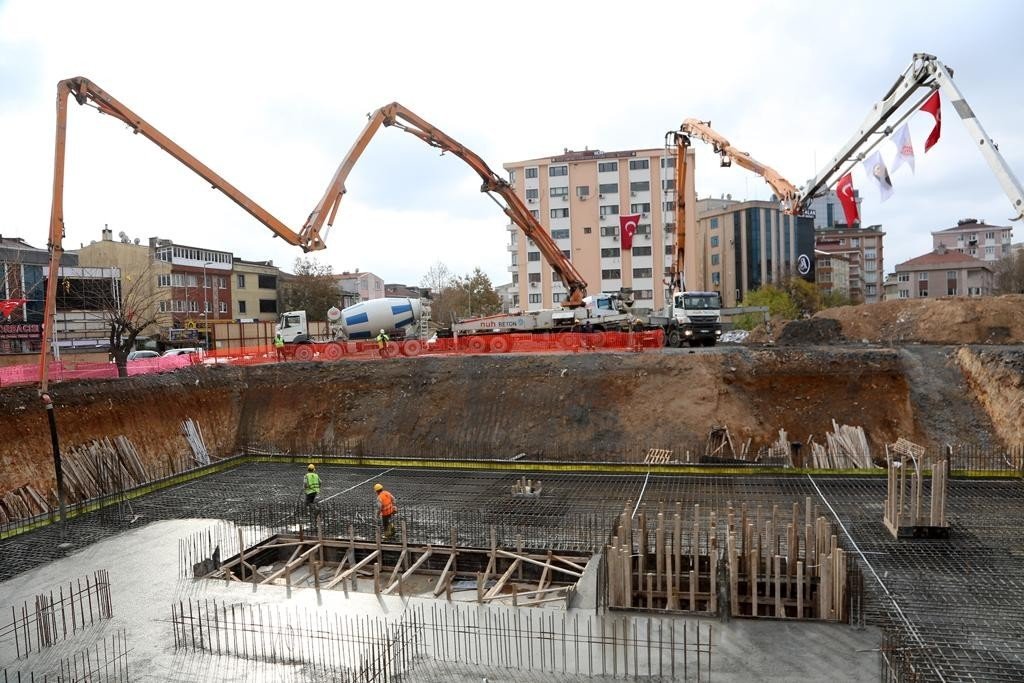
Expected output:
{"points": [[926, 71]]}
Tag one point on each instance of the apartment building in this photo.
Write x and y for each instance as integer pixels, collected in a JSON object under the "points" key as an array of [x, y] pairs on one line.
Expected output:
{"points": [[365, 284], [827, 211], [832, 272], [23, 292], [944, 273], [578, 197], [863, 248], [744, 245], [197, 290], [254, 296], [975, 238]]}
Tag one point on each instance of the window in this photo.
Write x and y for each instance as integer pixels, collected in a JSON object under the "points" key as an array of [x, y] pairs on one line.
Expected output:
{"points": [[855, 242], [565, 253], [515, 258], [607, 166], [559, 213], [644, 207], [559, 191], [639, 164], [608, 188], [716, 278], [668, 162], [512, 177], [922, 277], [207, 306], [535, 213], [163, 280], [668, 249], [640, 273], [871, 290], [609, 230], [532, 193], [951, 291], [643, 229], [715, 259], [668, 206], [611, 274], [515, 300], [556, 298], [640, 186], [268, 306], [990, 235], [515, 278], [193, 306], [714, 240], [587, 230], [535, 298], [222, 307], [582, 191], [923, 293], [240, 281], [610, 210], [643, 294], [904, 294], [163, 306], [714, 223], [531, 172], [533, 256], [222, 282], [950, 274], [903, 277], [641, 251], [178, 279], [990, 251], [555, 171], [612, 252], [668, 185], [533, 278], [266, 281], [562, 234]]}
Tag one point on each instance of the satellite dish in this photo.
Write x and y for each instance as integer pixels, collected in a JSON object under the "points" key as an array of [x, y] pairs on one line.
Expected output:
{"points": [[136, 240]]}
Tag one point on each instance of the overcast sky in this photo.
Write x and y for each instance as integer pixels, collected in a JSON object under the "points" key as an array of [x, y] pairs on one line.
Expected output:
{"points": [[271, 95]]}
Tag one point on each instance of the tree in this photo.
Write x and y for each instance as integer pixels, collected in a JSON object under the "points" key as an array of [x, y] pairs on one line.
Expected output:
{"points": [[312, 289], [1009, 272], [128, 306], [477, 294], [806, 296], [458, 297]]}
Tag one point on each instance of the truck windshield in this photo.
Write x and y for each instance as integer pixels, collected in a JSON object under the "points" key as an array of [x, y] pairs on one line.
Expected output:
{"points": [[701, 301], [289, 321]]}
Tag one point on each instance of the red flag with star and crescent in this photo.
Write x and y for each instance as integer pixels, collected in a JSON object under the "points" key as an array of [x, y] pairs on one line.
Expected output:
{"points": [[934, 107], [849, 201], [8, 306], [627, 224]]}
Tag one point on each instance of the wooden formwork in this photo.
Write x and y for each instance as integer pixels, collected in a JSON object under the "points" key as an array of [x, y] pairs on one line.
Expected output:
{"points": [[910, 511]]}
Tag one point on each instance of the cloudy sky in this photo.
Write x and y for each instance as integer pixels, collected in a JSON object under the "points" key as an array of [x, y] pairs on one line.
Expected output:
{"points": [[271, 95]]}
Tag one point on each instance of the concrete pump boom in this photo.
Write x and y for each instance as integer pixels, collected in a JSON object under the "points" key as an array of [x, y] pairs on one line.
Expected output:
{"points": [[928, 73], [396, 115]]}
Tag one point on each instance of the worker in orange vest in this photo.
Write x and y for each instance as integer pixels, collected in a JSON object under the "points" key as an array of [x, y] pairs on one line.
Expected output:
{"points": [[387, 510]]}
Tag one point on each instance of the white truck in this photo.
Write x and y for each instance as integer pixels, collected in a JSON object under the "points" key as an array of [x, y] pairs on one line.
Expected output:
{"points": [[694, 318]]}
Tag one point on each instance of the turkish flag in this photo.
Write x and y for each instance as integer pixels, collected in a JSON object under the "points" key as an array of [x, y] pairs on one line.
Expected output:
{"points": [[628, 226], [933, 107], [845, 191], [7, 306]]}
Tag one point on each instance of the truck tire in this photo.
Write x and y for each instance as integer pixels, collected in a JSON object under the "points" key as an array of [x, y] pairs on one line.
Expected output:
{"points": [[597, 339], [412, 348], [333, 351], [500, 344], [304, 352], [477, 345], [674, 338]]}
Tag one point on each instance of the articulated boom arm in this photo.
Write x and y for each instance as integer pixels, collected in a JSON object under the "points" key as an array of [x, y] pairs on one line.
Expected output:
{"points": [[396, 115], [85, 92], [928, 73], [785, 190]]}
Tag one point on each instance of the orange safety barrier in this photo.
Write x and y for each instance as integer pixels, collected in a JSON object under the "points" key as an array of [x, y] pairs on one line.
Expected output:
{"points": [[553, 342]]}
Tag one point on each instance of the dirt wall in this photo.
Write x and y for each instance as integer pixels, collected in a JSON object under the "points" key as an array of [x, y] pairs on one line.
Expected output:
{"points": [[996, 377]]}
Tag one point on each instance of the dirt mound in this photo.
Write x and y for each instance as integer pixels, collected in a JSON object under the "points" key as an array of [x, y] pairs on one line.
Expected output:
{"points": [[811, 331]]}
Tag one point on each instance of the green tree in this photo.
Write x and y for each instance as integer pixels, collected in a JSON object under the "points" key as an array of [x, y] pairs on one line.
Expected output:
{"points": [[476, 295], [459, 297], [806, 296], [778, 301], [312, 289]]}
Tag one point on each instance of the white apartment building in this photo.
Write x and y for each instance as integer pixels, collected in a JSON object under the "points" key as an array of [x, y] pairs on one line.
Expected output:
{"points": [[975, 238]]}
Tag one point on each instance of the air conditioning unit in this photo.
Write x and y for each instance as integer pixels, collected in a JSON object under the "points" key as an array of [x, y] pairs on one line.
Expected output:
{"points": [[615, 238], [531, 201], [643, 215], [600, 196], [632, 194], [533, 285], [565, 197], [647, 236]]}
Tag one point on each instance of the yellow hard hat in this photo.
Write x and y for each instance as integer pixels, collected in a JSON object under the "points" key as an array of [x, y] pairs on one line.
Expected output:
{"points": [[378, 487], [311, 467]]}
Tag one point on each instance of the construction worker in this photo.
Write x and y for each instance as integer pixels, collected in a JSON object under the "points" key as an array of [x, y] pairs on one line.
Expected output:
{"points": [[382, 343], [311, 484], [387, 509], [279, 346]]}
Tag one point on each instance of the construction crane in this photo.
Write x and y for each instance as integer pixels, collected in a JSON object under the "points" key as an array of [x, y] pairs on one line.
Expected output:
{"points": [[929, 74], [787, 193], [396, 115]]}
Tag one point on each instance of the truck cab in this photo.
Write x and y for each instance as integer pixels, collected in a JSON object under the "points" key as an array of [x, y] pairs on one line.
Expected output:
{"points": [[293, 328], [695, 319]]}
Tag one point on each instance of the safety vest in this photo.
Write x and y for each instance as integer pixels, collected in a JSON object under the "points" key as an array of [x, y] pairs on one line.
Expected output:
{"points": [[387, 504], [312, 482], [382, 339], [278, 341]]}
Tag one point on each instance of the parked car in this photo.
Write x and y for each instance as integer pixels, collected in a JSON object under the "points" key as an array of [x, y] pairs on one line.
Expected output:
{"points": [[139, 355], [180, 352]]}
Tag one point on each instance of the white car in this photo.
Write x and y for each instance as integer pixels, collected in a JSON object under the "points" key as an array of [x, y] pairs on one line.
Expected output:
{"points": [[180, 352], [142, 355]]}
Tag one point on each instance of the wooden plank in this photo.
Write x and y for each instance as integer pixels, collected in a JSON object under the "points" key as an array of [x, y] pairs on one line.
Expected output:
{"points": [[409, 572], [496, 589], [356, 567], [526, 558], [441, 581]]}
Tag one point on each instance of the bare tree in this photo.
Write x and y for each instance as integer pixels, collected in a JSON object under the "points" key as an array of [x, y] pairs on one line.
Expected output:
{"points": [[312, 289], [1010, 273]]}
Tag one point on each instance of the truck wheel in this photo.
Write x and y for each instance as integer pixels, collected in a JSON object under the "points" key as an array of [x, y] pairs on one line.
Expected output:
{"points": [[597, 339], [304, 352], [412, 348], [333, 352], [500, 345], [477, 345], [674, 339]]}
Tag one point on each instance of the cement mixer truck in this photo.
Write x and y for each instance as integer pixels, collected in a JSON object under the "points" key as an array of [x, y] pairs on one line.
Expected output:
{"points": [[398, 317]]}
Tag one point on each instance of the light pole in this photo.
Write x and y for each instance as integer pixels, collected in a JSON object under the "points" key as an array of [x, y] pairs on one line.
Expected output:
{"points": [[206, 307]]}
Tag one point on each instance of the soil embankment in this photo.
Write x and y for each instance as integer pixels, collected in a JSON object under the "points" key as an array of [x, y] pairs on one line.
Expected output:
{"points": [[546, 406], [996, 377]]}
